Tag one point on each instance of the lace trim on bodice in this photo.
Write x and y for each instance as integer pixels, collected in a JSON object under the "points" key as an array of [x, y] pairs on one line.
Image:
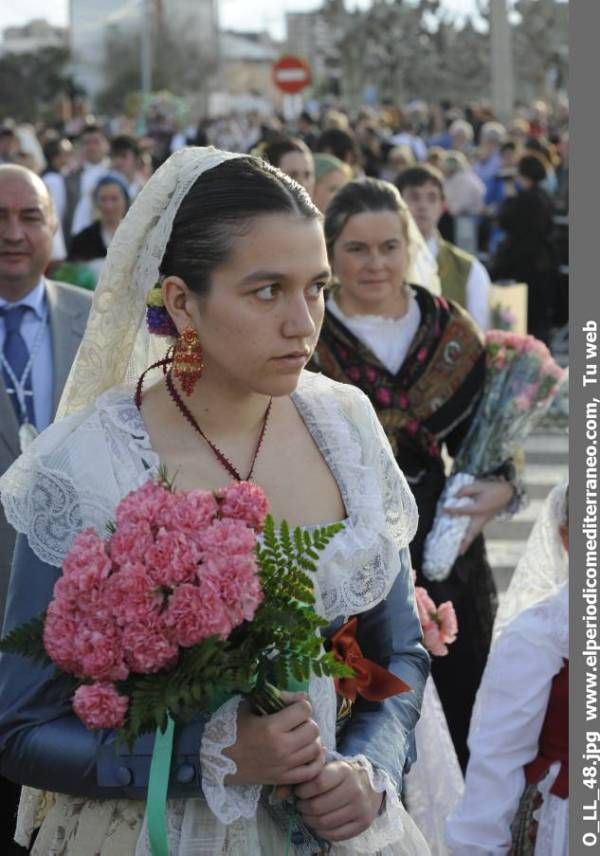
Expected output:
{"points": [[75, 473]]}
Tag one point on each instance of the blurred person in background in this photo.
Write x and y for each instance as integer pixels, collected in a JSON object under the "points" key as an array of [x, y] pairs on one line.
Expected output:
{"points": [[92, 147], [547, 154], [463, 189], [561, 200], [125, 161], [307, 130], [461, 137], [538, 120], [335, 120], [435, 156], [518, 131], [502, 184], [462, 276], [398, 158], [293, 157], [30, 153], [111, 200], [342, 144], [330, 175], [9, 144], [406, 135], [489, 159], [58, 152], [526, 252]]}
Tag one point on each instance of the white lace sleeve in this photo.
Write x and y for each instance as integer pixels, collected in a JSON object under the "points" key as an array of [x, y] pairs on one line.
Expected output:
{"points": [[57, 488], [227, 802]]}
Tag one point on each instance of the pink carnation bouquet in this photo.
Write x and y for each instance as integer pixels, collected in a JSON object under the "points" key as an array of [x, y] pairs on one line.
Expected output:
{"points": [[521, 381], [178, 608]]}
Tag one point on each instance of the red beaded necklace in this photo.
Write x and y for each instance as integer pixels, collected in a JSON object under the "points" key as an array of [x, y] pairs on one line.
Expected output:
{"points": [[223, 460]]}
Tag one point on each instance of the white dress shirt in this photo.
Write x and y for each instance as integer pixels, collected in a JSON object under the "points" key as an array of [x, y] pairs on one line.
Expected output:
{"points": [[42, 371], [477, 289]]}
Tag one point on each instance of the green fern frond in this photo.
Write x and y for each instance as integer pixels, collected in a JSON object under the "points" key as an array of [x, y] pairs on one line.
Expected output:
{"points": [[28, 641]]}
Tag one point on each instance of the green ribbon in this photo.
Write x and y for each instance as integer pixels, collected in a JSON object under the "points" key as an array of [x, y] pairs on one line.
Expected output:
{"points": [[293, 686], [158, 785]]}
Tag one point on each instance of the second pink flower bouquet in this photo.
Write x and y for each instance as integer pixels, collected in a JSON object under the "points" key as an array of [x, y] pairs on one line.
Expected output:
{"points": [[521, 381], [181, 607]]}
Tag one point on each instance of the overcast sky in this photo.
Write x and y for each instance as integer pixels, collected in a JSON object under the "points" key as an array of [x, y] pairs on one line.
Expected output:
{"points": [[235, 14]]}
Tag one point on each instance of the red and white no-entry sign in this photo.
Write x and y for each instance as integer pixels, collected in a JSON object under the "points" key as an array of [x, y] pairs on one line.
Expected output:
{"points": [[291, 74]]}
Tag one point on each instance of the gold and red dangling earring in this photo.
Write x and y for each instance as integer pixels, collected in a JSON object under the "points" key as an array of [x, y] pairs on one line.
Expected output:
{"points": [[187, 359]]}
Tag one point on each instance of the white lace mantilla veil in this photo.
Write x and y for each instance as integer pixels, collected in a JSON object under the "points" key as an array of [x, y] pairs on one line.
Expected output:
{"points": [[544, 566], [116, 347]]}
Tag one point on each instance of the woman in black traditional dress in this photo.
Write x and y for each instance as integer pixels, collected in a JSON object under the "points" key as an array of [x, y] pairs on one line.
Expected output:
{"points": [[420, 360]]}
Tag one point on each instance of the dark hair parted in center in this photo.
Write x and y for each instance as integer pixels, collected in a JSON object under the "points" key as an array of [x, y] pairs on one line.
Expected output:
{"points": [[219, 208], [358, 197]]}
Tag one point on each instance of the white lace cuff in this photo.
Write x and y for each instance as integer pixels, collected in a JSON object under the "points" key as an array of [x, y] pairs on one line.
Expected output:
{"points": [[227, 802], [392, 826]]}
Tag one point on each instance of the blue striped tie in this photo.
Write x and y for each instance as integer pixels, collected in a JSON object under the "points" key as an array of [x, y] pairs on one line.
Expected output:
{"points": [[16, 354]]}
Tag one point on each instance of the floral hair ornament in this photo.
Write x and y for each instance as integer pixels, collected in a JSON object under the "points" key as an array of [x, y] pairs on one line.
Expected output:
{"points": [[158, 320]]}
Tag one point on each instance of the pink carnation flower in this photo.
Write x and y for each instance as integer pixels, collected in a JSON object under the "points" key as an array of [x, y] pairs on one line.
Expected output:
{"points": [[80, 592], [100, 706], [60, 630], [99, 651], [132, 594], [130, 542], [246, 502], [147, 649], [172, 559], [148, 504], [87, 559], [227, 538], [191, 512], [425, 607], [238, 584], [446, 619], [196, 612]]}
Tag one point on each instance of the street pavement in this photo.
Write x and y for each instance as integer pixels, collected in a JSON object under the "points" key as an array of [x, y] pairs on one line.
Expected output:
{"points": [[546, 464]]}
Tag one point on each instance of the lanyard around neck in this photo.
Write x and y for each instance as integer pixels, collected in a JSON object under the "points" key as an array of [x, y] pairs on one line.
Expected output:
{"points": [[19, 384]]}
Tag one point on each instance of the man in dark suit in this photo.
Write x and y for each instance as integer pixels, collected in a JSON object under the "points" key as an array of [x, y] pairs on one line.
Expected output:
{"points": [[41, 325]]}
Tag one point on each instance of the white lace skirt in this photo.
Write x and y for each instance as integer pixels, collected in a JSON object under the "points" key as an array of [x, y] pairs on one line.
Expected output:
{"points": [[80, 827], [434, 786]]}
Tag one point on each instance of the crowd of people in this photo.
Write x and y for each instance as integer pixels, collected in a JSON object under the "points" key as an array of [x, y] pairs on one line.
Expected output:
{"points": [[410, 216], [503, 189]]}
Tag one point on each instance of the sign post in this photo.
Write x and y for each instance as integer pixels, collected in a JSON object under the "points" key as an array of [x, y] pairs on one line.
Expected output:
{"points": [[291, 74]]}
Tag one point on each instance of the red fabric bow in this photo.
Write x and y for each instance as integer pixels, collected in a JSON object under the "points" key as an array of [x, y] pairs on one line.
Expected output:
{"points": [[370, 680]]}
